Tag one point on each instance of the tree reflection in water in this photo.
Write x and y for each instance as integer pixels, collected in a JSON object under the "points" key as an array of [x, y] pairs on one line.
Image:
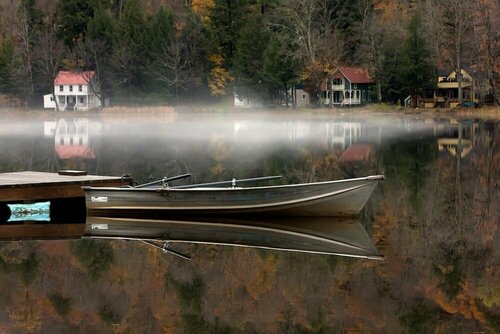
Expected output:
{"points": [[435, 219]]}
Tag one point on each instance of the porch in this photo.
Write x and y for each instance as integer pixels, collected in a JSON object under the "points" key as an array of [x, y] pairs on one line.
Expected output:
{"points": [[342, 98], [444, 98], [77, 102]]}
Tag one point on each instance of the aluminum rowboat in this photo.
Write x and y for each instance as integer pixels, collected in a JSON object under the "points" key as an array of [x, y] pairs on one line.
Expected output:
{"points": [[341, 198]]}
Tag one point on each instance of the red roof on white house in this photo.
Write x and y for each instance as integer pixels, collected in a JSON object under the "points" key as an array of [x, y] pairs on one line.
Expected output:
{"points": [[73, 78], [357, 75], [74, 151], [357, 152]]}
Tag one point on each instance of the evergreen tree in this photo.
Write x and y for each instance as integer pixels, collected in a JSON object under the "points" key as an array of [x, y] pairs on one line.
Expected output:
{"points": [[7, 67], [160, 31], [226, 20], [101, 27], [97, 49], [163, 53], [281, 65], [407, 70], [249, 62], [417, 59], [130, 53], [28, 24], [74, 16]]}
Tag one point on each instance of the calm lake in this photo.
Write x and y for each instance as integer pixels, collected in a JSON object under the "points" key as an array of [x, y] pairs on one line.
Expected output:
{"points": [[435, 219]]}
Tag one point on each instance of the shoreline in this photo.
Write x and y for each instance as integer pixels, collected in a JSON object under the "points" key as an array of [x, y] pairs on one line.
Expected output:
{"points": [[373, 109]]}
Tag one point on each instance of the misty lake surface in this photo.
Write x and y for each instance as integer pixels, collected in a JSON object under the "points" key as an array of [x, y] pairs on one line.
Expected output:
{"points": [[435, 218]]}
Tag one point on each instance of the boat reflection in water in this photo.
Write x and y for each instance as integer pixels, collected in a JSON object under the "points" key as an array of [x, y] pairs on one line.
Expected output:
{"points": [[317, 235], [343, 237]]}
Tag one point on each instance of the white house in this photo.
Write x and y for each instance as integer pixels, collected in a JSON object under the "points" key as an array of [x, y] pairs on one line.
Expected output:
{"points": [[74, 91]]}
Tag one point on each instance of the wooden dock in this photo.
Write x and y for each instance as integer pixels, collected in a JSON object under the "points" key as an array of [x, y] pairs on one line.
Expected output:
{"points": [[37, 186]]}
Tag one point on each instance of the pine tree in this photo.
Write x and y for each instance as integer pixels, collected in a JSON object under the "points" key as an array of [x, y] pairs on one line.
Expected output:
{"points": [[74, 16], [226, 20], [97, 49], [249, 61], [7, 64], [407, 66], [160, 31], [129, 52], [419, 69], [281, 65], [101, 27]]}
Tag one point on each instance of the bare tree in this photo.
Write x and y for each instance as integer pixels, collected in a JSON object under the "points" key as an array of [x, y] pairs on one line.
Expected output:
{"points": [[172, 65], [26, 31], [432, 15], [299, 17], [49, 56], [370, 50], [459, 16], [94, 54], [488, 31], [316, 32]]}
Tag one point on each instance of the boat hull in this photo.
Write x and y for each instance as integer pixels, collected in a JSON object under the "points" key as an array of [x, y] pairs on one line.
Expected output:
{"points": [[344, 237], [322, 199]]}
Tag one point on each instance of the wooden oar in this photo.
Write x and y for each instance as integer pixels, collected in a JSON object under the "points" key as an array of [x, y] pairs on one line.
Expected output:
{"points": [[165, 249], [164, 180], [232, 182]]}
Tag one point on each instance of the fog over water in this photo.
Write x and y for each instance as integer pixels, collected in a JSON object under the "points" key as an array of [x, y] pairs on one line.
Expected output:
{"points": [[174, 135]]}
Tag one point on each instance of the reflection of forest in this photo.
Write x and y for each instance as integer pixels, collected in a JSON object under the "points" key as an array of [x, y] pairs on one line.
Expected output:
{"points": [[435, 219]]}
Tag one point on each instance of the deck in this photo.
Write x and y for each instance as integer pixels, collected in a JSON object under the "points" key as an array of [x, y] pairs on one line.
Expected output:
{"points": [[35, 186]]}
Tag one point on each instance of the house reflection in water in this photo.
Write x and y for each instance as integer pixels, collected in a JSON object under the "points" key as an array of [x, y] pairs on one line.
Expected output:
{"points": [[357, 152], [72, 137], [460, 138], [342, 134]]}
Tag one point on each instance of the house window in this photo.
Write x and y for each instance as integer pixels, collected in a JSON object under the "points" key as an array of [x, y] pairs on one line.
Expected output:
{"points": [[80, 88], [347, 95], [52, 99], [61, 99], [61, 88], [70, 88], [337, 81], [80, 141], [369, 96], [363, 95], [357, 94], [354, 86], [303, 96], [81, 99]]}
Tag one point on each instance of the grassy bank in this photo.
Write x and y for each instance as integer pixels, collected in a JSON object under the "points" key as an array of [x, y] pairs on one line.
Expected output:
{"points": [[381, 108]]}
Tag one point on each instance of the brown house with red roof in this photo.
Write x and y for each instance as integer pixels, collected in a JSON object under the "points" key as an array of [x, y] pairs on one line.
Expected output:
{"points": [[348, 86], [74, 91]]}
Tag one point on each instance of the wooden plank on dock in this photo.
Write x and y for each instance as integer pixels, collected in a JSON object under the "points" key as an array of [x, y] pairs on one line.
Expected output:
{"points": [[41, 231], [31, 186]]}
